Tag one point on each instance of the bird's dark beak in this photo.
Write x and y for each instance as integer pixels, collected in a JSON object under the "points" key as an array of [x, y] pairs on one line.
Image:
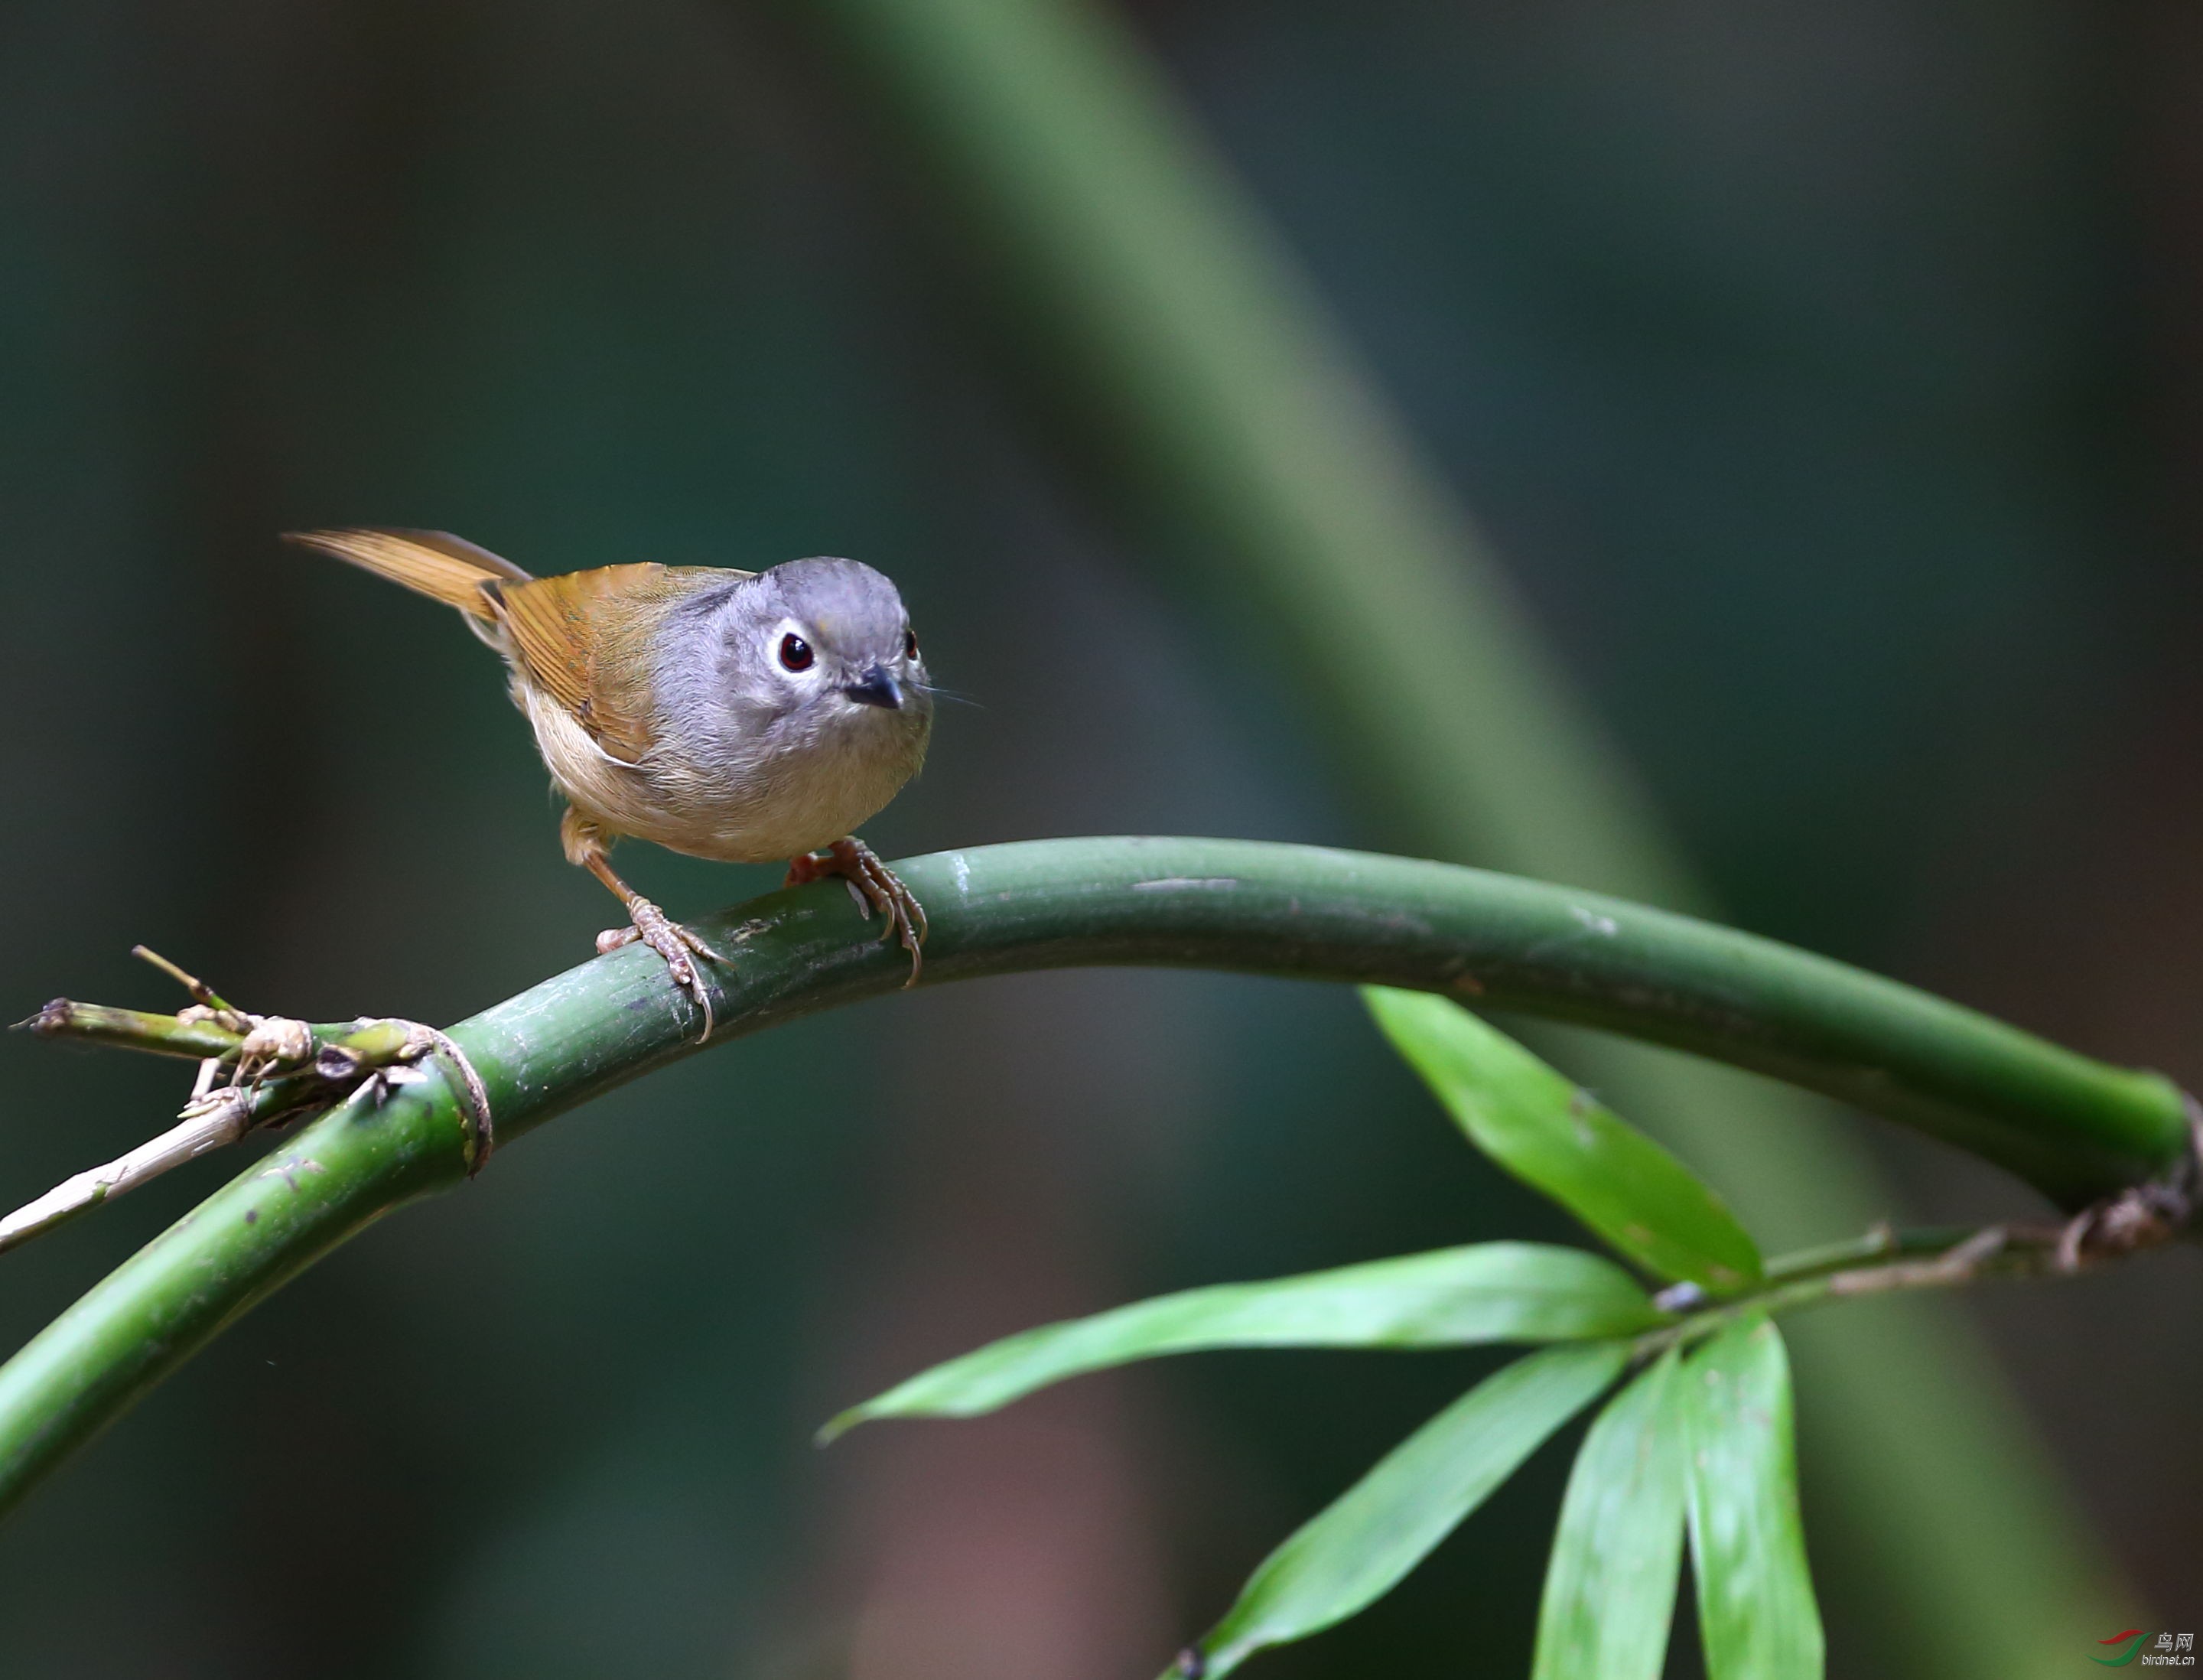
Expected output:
{"points": [[875, 687]]}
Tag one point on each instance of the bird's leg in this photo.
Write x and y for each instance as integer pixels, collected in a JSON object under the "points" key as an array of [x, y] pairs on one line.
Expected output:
{"points": [[874, 886], [585, 846]]}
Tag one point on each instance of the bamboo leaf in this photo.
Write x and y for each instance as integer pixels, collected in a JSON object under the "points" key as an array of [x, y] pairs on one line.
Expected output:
{"points": [[1756, 1615], [1449, 1298], [1557, 1139], [1610, 1587], [1358, 1547]]}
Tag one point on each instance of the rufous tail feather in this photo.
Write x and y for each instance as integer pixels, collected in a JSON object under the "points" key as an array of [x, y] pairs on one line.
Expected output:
{"points": [[434, 563]]}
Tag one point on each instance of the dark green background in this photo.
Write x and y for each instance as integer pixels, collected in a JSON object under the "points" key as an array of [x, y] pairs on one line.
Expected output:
{"points": [[1827, 375]]}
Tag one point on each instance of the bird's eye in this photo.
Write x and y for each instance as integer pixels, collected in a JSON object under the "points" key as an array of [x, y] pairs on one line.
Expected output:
{"points": [[795, 653], [910, 644]]}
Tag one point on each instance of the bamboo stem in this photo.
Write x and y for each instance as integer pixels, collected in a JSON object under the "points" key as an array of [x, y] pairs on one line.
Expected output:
{"points": [[2081, 1128]]}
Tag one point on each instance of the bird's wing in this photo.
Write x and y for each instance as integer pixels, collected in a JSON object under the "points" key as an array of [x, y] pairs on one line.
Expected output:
{"points": [[584, 639]]}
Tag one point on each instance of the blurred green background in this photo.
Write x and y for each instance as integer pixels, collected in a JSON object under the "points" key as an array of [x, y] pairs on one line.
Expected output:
{"points": [[1826, 376]]}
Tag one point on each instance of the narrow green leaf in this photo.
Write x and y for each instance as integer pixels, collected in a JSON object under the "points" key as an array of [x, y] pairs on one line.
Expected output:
{"points": [[1553, 1136], [1449, 1298], [1756, 1615], [1610, 1587], [1357, 1548]]}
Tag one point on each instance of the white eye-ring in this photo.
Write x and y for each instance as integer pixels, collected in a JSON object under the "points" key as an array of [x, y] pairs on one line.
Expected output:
{"points": [[791, 649]]}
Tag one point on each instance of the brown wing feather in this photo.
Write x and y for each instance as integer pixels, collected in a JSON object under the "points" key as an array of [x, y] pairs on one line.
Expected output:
{"points": [[585, 637], [435, 564]]}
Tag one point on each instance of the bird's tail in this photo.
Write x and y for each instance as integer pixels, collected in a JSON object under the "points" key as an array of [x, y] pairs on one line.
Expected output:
{"points": [[434, 563]]}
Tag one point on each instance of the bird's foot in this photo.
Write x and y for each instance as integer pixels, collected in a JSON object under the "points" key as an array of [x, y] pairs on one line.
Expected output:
{"points": [[672, 941], [875, 887]]}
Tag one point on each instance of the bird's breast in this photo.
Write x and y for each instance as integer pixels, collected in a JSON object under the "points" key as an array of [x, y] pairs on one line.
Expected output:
{"points": [[733, 800]]}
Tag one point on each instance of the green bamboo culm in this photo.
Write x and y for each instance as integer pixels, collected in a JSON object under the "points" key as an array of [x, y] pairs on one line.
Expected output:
{"points": [[2078, 1127]]}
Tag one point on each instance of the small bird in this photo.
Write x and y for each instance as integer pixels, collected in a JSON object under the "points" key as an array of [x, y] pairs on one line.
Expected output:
{"points": [[740, 716]]}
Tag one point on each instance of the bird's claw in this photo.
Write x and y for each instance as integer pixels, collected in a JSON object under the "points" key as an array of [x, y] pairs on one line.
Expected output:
{"points": [[672, 941], [875, 887]]}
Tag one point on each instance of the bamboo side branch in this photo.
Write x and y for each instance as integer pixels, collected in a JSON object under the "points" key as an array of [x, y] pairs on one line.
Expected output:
{"points": [[2080, 1129], [133, 1029], [1886, 1262], [221, 1121], [279, 1070]]}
